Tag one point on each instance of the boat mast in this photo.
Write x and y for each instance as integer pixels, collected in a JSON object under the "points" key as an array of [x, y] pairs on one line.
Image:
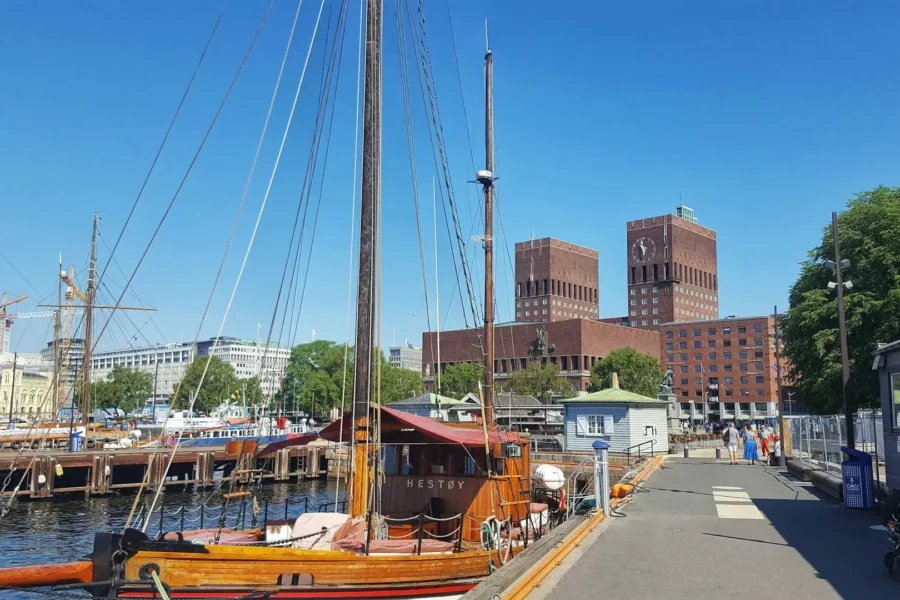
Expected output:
{"points": [[370, 198], [89, 329], [486, 179], [57, 359]]}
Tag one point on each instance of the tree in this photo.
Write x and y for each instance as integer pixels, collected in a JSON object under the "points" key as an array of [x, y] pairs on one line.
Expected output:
{"points": [[218, 385], [870, 240], [124, 389], [319, 375], [638, 373], [399, 384], [539, 381], [459, 380], [251, 390]]}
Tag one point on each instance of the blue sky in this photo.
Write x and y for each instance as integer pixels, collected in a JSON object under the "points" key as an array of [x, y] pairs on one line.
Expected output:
{"points": [[762, 116]]}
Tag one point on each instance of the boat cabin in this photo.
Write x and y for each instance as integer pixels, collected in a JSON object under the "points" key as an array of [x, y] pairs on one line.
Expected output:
{"points": [[442, 471]]}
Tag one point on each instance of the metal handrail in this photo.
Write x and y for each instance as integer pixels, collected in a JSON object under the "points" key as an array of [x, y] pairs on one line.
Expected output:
{"points": [[638, 446]]}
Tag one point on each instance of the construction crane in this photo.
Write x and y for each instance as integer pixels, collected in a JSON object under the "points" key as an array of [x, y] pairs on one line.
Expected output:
{"points": [[7, 322], [4, 332]]}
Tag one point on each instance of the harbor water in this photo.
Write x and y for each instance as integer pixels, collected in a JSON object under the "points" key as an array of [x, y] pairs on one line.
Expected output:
{"points": [[62, 530]]}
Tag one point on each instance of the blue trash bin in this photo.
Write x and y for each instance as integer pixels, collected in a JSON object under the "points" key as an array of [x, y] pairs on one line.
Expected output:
{"points": [[76, 443], [859, 485]]}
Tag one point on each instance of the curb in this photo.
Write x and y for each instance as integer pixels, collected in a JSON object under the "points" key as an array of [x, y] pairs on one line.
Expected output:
{"points": [[526, 584]]}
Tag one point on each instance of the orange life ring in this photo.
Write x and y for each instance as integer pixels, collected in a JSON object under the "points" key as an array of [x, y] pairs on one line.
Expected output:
{"points": [[562, 500]]}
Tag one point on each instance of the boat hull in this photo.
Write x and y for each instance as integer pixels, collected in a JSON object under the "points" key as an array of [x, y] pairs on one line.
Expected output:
{"points": [[438, 591]]}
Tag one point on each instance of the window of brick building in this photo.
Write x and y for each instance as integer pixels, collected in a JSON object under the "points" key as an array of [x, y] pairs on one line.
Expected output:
{"points": [[744, 366], [760, 393], [729, 380], [760, 379], [757, 341], [744, 393], [742, 341], [682, 344], [728, 368], [712, 330], [742, 354], [757, 328], [698, 356], [726, 331], [684, 380], [684, 392], [713, 368], [669, 333], [683, 357], [682, 333], [712, 356], [730, 393], [698, 344], [712, 343], [684, 369], [744, 379], [742, 329], [726, 342], [757, 354]]}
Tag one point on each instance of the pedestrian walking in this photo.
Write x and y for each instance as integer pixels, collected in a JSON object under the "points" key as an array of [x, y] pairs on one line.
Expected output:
{"points": [[750, 449], [731, 438], [707, 427], [764, 441]]}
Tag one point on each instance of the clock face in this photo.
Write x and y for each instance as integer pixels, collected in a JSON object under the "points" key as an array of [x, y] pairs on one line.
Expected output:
{"points": [[643, 250]]}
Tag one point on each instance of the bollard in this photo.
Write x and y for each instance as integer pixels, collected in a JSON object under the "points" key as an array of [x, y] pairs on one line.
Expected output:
{"points": [[718, 453], [601, 475], [687, 452]]}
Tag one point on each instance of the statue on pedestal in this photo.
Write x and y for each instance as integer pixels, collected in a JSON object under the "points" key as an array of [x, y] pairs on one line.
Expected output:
{"points": [[665, 388]]}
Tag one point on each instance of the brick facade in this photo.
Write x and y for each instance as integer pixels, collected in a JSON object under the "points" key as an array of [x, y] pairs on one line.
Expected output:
{"points": [[555, 281], [672, 272], [725, 362], [576, 345]]}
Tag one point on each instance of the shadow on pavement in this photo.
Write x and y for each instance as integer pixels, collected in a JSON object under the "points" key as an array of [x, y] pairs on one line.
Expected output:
{"points": [[839, 544]]}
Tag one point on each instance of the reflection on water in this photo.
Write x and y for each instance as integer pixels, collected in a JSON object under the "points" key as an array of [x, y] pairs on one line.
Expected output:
{"points": [[62, 530]]}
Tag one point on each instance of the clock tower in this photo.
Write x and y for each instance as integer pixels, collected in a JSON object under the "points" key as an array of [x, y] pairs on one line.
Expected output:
{"points": [[672, 270]]}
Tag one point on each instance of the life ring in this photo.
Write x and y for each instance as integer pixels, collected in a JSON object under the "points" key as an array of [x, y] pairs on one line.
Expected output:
{"points": [[562, 500]]}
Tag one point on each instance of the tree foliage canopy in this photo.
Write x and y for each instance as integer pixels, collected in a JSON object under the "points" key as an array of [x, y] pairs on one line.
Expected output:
{"points": [[124, 389], [317, 373], [870, 239], [540, 381], [459, 380], [638, 373], [219, 385]]}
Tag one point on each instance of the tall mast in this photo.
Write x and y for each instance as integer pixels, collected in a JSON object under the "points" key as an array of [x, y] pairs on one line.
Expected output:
{"points": [[370, 198], [57, 327], [486, 179], [88, 329]]}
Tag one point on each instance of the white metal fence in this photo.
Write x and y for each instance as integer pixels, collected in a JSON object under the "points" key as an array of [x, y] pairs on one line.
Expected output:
{"points": [[818, 439]]}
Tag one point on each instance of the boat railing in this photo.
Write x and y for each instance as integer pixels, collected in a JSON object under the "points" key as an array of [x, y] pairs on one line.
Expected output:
{"points": [[232, 515], [580, 485]]}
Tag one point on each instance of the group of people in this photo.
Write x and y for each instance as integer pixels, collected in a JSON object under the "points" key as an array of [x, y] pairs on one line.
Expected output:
{"points": [[759, 444]]}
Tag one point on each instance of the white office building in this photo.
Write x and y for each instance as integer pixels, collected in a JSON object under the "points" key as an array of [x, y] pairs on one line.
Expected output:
{"points": [[251, 359], [168, 363], [406, 357]]}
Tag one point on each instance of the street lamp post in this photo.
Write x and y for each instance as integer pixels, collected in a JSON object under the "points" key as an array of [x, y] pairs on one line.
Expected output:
{"points": [[781, 459], [840, 285]]}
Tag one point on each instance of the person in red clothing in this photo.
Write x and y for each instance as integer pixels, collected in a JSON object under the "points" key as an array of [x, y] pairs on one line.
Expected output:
{"points": [[765, 434]]}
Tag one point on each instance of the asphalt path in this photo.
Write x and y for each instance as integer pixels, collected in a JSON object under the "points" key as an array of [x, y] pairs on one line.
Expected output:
{"points": [[706, 529]]}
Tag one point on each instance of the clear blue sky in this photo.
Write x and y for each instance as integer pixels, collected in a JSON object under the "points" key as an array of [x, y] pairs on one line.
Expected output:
{"points": [[763, 116]]}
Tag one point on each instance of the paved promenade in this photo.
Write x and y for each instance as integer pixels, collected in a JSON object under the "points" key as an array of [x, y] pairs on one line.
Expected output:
{"points": [[707, 529]]}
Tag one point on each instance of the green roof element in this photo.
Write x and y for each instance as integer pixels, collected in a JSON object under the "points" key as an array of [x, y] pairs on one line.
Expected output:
{"points": [[614, 395]]}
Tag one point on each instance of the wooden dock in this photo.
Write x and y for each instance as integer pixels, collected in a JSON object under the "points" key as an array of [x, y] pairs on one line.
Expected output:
{"points": [[98, 472]]}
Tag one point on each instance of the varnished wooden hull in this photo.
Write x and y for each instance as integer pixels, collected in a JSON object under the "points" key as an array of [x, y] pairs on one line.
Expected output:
{"points": [[262, 568], [437, 591]]}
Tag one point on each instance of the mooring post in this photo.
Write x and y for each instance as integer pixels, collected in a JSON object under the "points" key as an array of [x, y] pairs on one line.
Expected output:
{"points": [[601, 475]]}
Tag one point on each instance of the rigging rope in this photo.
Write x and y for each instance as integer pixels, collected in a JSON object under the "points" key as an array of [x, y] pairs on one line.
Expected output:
{"points": [[255, 228], [359, 61]]}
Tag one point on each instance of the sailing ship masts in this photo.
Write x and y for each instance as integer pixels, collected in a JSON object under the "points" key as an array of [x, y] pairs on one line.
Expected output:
{"points": [[363, 367], [487, 182], [89, 329]]}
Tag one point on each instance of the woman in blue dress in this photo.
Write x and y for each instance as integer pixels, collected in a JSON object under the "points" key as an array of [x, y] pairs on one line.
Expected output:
{"points": [[751, 452]]}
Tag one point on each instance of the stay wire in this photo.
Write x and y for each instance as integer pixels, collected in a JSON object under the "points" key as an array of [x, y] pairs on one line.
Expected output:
{"points": [[232, 233], [410, 142], [165, 139], [350, 306], [193, 159], [250, 243]]}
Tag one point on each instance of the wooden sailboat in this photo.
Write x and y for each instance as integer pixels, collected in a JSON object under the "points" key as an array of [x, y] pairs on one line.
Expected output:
{"points": [[433, 508]]}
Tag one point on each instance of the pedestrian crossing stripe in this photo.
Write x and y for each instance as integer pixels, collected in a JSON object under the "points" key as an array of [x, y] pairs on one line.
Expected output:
{"points": [[734, 503]]}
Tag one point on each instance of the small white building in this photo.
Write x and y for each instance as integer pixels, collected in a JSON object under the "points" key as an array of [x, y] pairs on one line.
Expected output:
{"points": [[621, 418], [406, 357]]}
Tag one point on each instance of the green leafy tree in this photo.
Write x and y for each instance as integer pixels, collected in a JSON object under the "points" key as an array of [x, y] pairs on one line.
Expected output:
{"points": [[251, 390], [124, 389], [218, 385], [870, 240], [638, 373], [459, 380], [540, 381], [399, 384], [318, 374]]}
